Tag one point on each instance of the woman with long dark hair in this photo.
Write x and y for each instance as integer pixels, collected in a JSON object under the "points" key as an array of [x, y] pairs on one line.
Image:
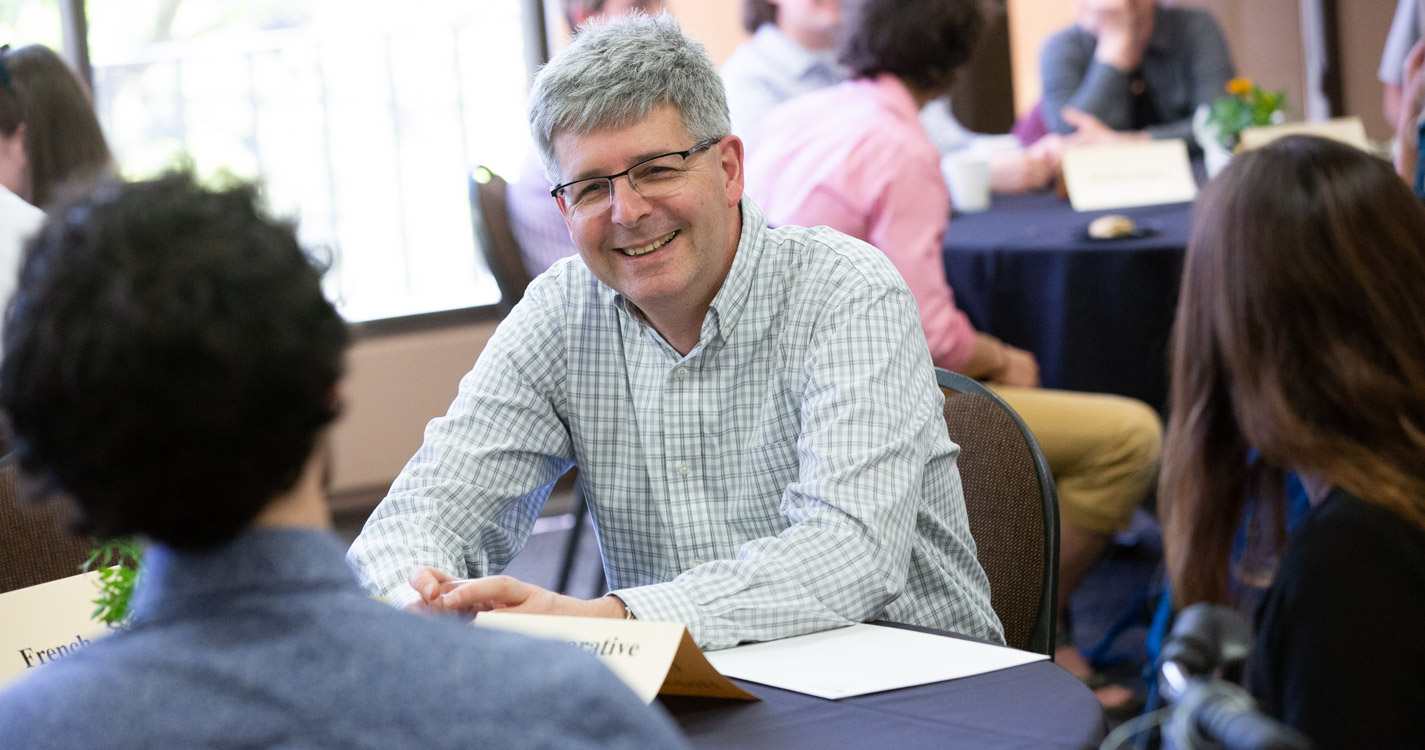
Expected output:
{"points": [[49, 138], [1300, 347], [47, 119]]}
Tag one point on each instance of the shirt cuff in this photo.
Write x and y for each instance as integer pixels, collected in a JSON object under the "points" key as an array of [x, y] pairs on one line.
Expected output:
{"points": [[663, 602], [403, 597]]}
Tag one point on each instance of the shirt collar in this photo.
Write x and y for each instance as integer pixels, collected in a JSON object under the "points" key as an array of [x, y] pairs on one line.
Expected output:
{"points": [[797, 61], [731, 298], [892, 94], [258, 560], [727, 306]]}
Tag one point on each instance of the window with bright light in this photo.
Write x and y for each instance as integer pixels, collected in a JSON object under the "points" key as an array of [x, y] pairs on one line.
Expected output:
{"points": [[25, 22], [362, 119]]}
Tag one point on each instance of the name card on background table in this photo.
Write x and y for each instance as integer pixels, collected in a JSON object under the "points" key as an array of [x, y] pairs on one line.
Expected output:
{"points": [[42, 624], [1124, 175], [652, 658], [1348, 130]]}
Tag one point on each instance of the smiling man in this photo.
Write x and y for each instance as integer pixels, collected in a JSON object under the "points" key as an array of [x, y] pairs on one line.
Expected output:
{"points": [[753, 411]]}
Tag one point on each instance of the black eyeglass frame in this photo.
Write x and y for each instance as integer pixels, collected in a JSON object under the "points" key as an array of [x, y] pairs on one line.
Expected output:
{"points": [[554, 191]]}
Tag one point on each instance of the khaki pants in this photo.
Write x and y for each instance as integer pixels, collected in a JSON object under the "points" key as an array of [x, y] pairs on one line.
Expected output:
{"points": [[1103, 451]]}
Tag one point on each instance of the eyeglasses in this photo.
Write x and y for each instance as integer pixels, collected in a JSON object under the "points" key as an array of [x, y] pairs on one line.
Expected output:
{"points": [[657, 177], [5, 72]]}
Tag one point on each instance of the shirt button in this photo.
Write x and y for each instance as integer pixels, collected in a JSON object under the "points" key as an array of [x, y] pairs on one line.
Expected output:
{"points": [[698, 562], [684, 467], [682, 373]]}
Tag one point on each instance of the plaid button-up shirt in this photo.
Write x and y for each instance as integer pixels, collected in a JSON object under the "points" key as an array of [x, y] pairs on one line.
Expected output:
{"points": [[791, 473]]}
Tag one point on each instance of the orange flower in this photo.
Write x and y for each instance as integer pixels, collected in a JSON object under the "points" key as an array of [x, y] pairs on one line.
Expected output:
{"points": [[1239, 86]]}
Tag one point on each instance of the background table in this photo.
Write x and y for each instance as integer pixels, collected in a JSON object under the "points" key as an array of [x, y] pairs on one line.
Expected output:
{"points": [[1097, 314], [1035, 705]]}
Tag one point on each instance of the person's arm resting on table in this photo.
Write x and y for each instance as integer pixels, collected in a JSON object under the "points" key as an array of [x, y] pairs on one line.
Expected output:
{"points": [[465, 503]]}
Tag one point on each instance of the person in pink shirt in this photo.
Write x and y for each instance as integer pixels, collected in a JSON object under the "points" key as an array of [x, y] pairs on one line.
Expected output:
{"points": [[856, 158]]}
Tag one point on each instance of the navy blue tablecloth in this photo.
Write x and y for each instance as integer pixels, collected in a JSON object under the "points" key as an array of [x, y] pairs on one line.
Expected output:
{"points": [[1097, 314], [1033, 706]]}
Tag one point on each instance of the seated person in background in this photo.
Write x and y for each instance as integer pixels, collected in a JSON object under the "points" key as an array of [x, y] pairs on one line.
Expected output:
{"points": [[48, 137], [753, 411], [18, 219], [171, 368], [792, 52], [1301, 335], [535, 220], [1130, 69], [855, 158], [1404, 34], [1410, 125]]}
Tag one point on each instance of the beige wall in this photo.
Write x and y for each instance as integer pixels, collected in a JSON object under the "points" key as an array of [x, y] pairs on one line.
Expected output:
{"points": [[1030, 23], [1363, 32], [715, 23], [394, 385]]}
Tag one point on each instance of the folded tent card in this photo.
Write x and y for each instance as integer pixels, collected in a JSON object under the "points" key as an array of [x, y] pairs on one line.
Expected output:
{"points": [[652, 658], [1124, 175], [1348, 130], [42, 624]]}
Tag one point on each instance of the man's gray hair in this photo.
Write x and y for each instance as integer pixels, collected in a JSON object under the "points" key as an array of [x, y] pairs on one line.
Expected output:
{"points": [[614, 73]]}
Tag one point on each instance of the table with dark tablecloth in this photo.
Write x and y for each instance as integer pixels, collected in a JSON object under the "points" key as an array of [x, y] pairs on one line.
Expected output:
{"points": [[1097, 314], [1035, 705]]}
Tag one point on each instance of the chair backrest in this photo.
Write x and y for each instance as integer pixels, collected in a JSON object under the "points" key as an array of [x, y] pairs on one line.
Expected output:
{"points": [[34, 545], [1012, 507], [491, 217]]}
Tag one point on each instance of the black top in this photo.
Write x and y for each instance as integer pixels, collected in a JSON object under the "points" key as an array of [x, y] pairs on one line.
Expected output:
{"points": [[1340, 651]]}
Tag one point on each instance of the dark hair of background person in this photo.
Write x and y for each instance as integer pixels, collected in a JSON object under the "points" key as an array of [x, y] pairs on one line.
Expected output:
{"points": [[63, 141], [757, 12], [170, 360], [921, 42], [1300, 335]]}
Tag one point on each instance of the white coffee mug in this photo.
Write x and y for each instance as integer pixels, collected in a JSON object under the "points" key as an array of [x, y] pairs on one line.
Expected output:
{"points": [[967, 174]]}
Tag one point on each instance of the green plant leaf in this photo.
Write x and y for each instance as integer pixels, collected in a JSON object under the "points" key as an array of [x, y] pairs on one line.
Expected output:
{"points": [[119, 561]]}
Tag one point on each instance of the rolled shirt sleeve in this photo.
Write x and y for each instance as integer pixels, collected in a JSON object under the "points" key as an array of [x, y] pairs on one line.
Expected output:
{"points": [[466, 501]]}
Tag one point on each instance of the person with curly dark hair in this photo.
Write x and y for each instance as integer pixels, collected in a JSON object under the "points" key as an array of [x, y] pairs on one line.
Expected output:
{"points": [[172, 370]]}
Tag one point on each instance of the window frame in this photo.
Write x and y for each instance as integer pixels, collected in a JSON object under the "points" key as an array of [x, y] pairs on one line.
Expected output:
{"points": [[74, 23]]}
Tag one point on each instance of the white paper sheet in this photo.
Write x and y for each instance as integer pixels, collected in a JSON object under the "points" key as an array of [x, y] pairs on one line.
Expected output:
{"points": [[863, 659]]}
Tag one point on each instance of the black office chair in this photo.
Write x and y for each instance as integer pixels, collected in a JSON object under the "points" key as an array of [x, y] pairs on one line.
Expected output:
{"points": [[490, 215], [494, 238], [1012, 507], [35, 547]]}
